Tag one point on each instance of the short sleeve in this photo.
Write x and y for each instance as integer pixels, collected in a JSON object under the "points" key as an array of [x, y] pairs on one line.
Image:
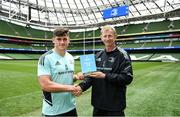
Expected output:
{"points": [[44, 66]]}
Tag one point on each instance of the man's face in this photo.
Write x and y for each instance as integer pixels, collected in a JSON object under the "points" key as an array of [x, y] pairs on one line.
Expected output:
{"points": [[108, 37], [61, 43]]}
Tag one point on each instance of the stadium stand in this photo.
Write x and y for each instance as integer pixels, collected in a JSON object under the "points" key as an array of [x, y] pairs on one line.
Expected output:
{"points": [[18, 30], [144, 35], [8, 28], [150, 33]]}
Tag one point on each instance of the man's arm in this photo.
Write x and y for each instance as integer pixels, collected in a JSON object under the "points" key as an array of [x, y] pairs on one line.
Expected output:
{"points": [[50, 86], [85, 84], [77, 77], [124, 77]]}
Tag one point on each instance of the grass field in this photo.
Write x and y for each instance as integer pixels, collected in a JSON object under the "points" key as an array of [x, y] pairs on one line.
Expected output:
{"points": [[155, 90]]}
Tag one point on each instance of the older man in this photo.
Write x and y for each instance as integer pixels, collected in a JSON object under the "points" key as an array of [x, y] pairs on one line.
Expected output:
{"points": [[110, 81]]}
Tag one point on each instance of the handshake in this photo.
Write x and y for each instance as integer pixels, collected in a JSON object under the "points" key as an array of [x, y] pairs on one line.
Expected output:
{"points": [[76, 89]]}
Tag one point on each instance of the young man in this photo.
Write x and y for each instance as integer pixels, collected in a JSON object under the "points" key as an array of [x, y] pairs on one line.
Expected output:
{"points": [[55, 75], [110, 81]]}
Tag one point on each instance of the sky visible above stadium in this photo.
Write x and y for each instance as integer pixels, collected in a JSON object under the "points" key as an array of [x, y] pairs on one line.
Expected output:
{"points": [[79, 13]]}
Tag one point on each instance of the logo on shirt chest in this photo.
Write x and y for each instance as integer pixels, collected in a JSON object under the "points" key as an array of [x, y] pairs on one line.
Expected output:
{"points": [[111, 59], [98, 59], [58, 63], [65, 66]]}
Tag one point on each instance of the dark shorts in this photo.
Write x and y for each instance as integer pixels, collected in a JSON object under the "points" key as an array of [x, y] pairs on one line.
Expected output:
{"points": [[70, 113], [100, 112]]}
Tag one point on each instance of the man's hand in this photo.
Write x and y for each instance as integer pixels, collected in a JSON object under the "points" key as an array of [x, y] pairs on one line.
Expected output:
{"points": [[79, 76], [97, 75], [77, 90]]}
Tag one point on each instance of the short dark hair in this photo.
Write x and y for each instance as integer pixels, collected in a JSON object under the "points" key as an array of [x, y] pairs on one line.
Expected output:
{"points": [[61, 32]]}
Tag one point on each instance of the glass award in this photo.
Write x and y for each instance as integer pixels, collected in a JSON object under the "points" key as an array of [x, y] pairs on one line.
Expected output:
{"points": [[88, 63]]}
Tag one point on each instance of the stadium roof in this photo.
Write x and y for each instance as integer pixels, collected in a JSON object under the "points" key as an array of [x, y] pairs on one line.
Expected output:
{"points": [[84, 13]]}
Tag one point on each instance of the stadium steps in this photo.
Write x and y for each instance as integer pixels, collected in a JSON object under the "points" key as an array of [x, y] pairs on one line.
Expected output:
{"points": [[9, 28], [3, 56], [135, 28], [15, 32], [156, 44], [170, 43], [156, 56], [18, 56], [169, 55], [5, 29], [130, 45], [12, 45], [140, 56], [1, 46], [33, 56], [9, 45], [120, 30], [143, 44], [38, 48], [176, 43], [9, 55], [159, 26], [176, 24], [19, 30]]}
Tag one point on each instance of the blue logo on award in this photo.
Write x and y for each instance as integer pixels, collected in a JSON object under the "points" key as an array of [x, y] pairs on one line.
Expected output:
{"points": [[88, 63]]}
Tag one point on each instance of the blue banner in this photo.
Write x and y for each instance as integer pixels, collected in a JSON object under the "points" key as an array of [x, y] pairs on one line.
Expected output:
{"points": [[115, 12]]}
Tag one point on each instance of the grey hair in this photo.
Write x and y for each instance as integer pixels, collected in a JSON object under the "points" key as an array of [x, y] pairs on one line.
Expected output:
{"points": [[108, 27]]}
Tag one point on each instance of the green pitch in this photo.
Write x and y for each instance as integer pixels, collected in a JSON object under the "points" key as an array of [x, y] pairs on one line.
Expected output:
{"points": [[155, 90]]}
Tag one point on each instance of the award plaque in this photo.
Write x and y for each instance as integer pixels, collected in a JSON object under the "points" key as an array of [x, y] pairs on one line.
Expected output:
{"points": [[88, 63]]}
